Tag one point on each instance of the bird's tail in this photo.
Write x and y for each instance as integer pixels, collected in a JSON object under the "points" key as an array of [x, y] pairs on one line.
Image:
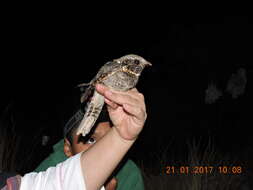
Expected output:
{"points": [[91, 114]]}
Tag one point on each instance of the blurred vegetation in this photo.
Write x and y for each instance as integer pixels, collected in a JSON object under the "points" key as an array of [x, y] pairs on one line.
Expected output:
{"points": [[200, 153]]}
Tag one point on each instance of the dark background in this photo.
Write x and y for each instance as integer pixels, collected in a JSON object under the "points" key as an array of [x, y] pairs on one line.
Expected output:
{"points": [[43, 59]]}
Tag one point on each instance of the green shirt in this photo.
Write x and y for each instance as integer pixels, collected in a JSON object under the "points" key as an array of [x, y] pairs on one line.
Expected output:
{"points": [[128, 177]]}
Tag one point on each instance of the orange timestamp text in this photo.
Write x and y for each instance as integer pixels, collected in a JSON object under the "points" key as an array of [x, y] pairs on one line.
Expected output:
{"points": [[170, 170]]}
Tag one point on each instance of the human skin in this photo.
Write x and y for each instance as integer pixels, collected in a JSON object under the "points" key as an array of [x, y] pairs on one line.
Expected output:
{"points": [[127, 112], [80, 144]]}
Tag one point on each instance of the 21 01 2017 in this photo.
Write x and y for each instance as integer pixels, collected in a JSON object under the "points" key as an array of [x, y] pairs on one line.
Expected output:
{"points": [[203, 169]]}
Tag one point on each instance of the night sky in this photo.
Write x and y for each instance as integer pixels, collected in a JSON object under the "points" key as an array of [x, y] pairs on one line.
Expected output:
{"points": [[44, 59]]}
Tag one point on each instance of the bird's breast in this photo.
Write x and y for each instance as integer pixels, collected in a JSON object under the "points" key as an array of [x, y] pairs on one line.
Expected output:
{"points": [[121, 81]]}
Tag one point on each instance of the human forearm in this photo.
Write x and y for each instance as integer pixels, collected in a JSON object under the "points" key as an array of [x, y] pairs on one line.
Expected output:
{"points": [[128, 114], [106, 153]]}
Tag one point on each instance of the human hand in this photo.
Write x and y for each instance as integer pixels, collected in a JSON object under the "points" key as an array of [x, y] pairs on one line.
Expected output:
{"points": [[127, 110]]}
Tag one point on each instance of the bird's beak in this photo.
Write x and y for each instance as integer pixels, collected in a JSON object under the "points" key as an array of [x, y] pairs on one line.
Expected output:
{"points": [[148, 63]]}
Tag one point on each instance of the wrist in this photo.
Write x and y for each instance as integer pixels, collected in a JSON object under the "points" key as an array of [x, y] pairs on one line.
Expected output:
{"points": [[120, 138]]}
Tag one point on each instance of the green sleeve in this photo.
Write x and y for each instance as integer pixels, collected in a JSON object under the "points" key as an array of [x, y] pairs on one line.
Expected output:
{"points": [[129, 177], [54, 158]]}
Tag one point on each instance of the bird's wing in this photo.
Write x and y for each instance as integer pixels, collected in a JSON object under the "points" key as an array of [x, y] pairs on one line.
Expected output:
{"points": [[105, 71]]}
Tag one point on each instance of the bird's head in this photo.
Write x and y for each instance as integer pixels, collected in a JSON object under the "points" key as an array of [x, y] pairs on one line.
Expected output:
{"points": [[133, 64]]}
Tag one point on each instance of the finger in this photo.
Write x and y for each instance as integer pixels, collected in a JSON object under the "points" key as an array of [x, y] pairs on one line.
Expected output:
{"points": [[138, 112], [121, 99], [134, 90], [110, 94], [101, 89], [111, 104], [134, 93], [131, 92]]}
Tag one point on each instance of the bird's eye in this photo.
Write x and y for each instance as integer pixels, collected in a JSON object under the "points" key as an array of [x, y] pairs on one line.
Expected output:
{"points": [[91, 140], [136, 61]]}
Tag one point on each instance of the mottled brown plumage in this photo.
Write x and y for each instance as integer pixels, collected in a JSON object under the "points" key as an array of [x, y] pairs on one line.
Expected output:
{"points": [[120, 74]]}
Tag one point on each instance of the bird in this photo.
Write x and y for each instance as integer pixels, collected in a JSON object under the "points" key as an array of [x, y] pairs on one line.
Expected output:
{"points": [[120, 74]]}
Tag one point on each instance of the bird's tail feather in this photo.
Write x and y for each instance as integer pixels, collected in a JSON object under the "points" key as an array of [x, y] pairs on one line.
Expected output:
{"points": [[91, 114]]}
